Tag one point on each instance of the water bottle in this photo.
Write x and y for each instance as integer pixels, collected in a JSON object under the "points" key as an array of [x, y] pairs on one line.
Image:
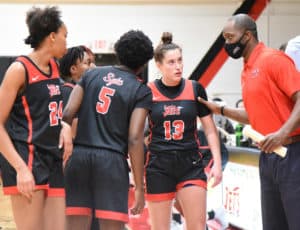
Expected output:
{"points": [[238, 134]]}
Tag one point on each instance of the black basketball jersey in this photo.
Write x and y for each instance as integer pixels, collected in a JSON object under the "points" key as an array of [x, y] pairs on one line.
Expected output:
{"points": [[110, 96], [36, 114], [172, 120], [66, 90]]}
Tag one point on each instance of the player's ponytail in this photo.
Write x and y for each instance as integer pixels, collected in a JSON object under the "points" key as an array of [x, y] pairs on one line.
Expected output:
{"points": [[165, 45]]}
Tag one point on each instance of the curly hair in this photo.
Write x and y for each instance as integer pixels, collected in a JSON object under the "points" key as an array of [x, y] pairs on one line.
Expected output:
{"points": [[70, 58], [42, 22], [134, 49]]}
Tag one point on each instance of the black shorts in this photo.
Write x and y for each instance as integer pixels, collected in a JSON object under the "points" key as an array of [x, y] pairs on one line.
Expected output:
{"points": [[166, 173], [97, 179], [46, 168]]}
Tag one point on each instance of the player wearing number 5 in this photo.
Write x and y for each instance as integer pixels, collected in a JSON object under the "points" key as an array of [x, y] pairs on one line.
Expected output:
{"points": [[30, 97], [174, 167], [112, 105]]}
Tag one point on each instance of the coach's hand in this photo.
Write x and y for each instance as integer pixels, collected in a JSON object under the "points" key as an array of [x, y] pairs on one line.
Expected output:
{"points": [[272, 141], [214, 107]]}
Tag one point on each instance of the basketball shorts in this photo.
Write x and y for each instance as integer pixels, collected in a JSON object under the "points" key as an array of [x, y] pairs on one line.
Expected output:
{"points": [[97, 179], [168, 172], [46, 168]]}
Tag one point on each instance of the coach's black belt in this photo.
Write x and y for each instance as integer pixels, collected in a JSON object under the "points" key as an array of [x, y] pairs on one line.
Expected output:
{"points": [[292, 139]]}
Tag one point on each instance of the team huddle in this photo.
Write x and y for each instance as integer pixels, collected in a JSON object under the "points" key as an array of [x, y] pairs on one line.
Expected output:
{"points": [[69, 129]]}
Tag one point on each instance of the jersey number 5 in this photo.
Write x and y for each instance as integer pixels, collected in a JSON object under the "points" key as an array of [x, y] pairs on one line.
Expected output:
{"points": [[56, 110], [177, 134], [104, 98]]}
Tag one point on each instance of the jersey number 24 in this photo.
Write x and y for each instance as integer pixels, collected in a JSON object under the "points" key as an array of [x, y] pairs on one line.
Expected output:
{"points": [[56, 111]]}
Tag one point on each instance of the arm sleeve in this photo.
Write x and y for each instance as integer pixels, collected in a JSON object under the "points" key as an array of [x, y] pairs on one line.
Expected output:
{"points": [[66, 91], [202, 109], [285, 74], [82, 81], [144, 97]]}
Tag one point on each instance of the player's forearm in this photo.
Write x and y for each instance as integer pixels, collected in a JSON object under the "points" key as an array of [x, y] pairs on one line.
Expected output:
{"points": [[138, 172], [293, 121], [136, 154], [68, 117], [214, 144], [73, 105], [9, 152]]}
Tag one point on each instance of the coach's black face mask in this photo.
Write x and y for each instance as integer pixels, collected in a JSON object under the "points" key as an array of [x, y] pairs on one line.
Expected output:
{"points": [[235, 50]]}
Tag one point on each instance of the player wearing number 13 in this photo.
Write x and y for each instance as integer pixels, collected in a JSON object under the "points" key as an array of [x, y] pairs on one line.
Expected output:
{"points": [[174, 167], [112, 105], [30, 97]]}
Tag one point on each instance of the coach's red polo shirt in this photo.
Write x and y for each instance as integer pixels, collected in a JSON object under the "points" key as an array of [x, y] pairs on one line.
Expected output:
{"points": [[269, 80]]}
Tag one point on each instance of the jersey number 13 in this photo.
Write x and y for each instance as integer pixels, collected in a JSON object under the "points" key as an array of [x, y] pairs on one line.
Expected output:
{"points": [[174, 130]]}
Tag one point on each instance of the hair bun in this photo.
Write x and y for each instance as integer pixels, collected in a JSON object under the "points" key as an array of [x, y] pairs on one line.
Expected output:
{"points": [[166, 38]]}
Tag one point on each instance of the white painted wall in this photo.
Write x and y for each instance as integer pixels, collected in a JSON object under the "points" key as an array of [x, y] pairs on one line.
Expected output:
{"points": [[194, 27]]}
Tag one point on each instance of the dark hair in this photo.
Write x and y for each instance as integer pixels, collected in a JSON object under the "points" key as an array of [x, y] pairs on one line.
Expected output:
{"points": [[245, 22], [165, 45], [70, 58], [88, 51], [134, 49], [42, 22]]}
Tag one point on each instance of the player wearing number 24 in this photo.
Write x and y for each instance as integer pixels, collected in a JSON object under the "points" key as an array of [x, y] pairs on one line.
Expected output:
{"points": [[174, 165], [31, 160]]}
